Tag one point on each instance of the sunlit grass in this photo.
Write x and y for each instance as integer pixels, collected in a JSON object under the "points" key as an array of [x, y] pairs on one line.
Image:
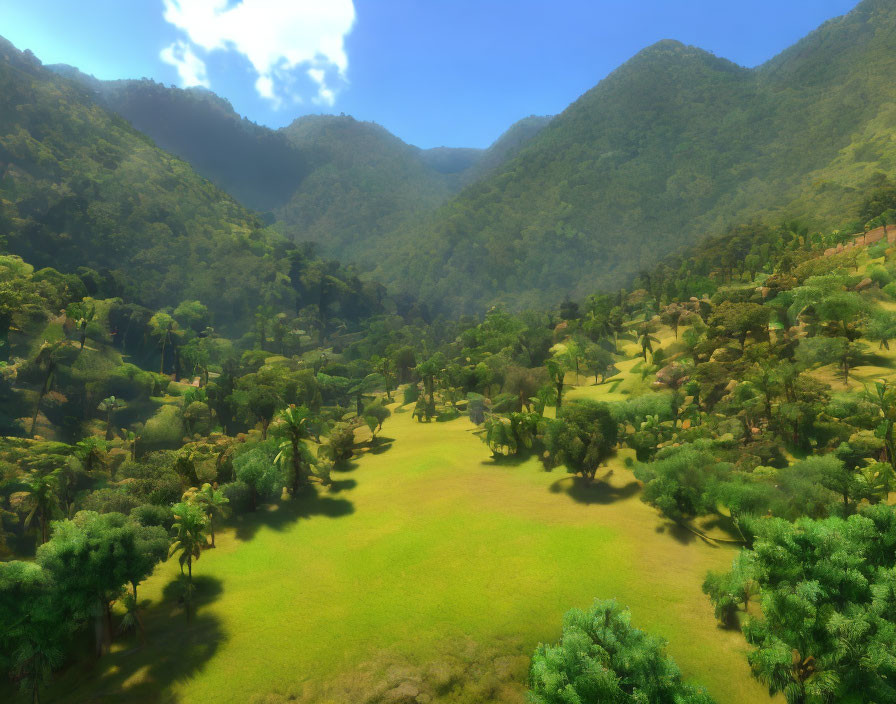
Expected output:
{"points": [[426, 543]]}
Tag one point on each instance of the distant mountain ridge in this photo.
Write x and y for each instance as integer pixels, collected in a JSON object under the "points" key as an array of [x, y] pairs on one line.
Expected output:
{"points": [[331, 179], [675, 144]]}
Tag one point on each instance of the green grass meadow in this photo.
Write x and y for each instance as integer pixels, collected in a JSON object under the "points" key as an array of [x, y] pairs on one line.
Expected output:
{"points": [[425, 553]]}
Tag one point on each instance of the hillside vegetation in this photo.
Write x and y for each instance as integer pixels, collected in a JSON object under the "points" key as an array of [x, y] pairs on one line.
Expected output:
{"points": [[83, 192], [673, 145], [333, 180]]}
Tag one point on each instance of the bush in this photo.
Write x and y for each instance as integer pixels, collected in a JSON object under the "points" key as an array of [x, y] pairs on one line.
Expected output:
{"points": [[165, 430], [239, 494], [410, 394], [153, 515], [476, 408], [111, 500]]}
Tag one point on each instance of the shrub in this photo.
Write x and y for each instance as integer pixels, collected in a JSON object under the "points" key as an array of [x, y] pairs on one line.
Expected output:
{"points": [[165, 430], [410, 394], [153, 515]]}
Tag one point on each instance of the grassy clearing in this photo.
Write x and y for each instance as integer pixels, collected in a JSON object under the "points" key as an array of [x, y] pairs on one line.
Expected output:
{"points": [[423, 545]]}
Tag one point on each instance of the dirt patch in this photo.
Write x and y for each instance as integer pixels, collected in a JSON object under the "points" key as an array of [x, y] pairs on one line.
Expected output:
{"points": [[469, 673]]}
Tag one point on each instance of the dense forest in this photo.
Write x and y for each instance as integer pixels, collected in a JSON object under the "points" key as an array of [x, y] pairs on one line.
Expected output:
{"points": [[234, 469]]}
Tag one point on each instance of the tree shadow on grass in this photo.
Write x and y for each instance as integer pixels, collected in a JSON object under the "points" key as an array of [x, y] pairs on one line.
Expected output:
{"points": [[340, 485], [308, 503], [516, 460], [596, 492], [175, 649], [683, 534]]}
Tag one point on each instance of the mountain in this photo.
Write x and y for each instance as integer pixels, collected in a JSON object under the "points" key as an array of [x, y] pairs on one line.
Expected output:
{"points": [[260, 167], [508, 145], [82, 191], [674, 144], [334, 180]]}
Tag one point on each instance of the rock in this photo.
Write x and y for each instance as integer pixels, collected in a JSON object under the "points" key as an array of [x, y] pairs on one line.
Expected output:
{"points": [[863, 284]]}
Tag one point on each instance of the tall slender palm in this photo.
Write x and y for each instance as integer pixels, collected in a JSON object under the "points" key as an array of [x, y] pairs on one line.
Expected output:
{"points": [[646, 341], [47, 359], [188, 539], [294, 428], [44, 502], [90, 452], [163, 327], [189, 534], [213, 504], [109, 406]]}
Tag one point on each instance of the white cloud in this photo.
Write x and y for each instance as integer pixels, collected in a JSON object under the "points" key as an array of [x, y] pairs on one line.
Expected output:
{"points": [[190, 67], [276, 36]]}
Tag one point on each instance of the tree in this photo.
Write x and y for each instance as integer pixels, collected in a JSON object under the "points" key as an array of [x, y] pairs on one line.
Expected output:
{"points": [[257, 469], [882, 328], [678, 481], [385, 367], [646, 341], [375, 414], [828, 607], [90, 452], [838, 477], [557, 367], [188, 538], [34, 630], [213, 504], [340, 443], [48, 359], [508, 435], [672, 316], [739, 320], [263, 402], [90, 558], [582, 437], [44, 502], [729, 590], [601, 657], [81, 314], [294, 429], [109, 406], [883, 397], [164, 328]]}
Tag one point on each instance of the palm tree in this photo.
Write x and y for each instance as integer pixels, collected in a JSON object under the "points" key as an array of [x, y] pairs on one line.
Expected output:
{"points": [[44, 503], [213, 504], [646, 341], [131, 621], [188, 539], [557, 368], [90, 452], [801, 679], [109, 406], [47, 358], [163, 327], [294, 428]]}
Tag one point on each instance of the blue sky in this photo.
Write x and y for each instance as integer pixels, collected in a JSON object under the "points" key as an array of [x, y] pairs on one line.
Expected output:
{"points": [[434, 72]]}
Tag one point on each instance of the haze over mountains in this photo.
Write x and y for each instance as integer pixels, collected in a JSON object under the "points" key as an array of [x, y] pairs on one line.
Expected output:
{"points": [[330, 179], [674, 145]]}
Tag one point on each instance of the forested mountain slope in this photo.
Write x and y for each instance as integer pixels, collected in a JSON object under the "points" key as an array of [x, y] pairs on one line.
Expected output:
{"points": [[81, 190], [674, 144], [334, 180]]}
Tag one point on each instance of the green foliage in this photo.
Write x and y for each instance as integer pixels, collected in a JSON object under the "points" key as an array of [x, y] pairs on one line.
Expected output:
{"points": [[601, 657], [256, 469], [679, 481], [828, 601], [582, 437]]}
